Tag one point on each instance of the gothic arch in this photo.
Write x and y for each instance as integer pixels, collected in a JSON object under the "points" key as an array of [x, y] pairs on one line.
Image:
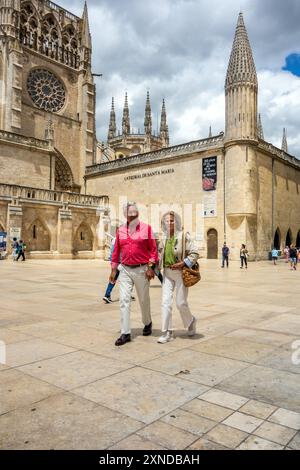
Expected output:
{"points": [[289, 238], [30, 29], [50, 41], [277, 239], [38, 236], [64, 180], [84, 238]]}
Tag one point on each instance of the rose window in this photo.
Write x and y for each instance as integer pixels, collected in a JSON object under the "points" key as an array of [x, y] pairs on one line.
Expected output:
{"points": [[46, 90]]}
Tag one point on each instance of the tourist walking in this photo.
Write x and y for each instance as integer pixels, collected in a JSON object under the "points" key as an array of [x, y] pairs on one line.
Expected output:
{"points": [[107, 296], [135, 246], [275, 254], [225, 255], [244, 256], [21, 250], [286, 254], [293, 257], [176, 250]]}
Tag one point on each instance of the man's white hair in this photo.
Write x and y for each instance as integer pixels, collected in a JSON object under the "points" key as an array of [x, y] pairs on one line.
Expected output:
{"points": [[129, 204]]}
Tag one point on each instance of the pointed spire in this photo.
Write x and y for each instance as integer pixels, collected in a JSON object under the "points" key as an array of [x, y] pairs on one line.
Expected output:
{"points": [[164, 130], [126, 117], [112, 122], [241, 67], [148, 117], [260, 129], [210, 133], [284, 145], [86, 34]]}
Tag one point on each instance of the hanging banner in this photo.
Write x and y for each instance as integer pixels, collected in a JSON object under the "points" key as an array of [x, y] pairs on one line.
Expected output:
{"points": [[209, 174], [15, 232]]}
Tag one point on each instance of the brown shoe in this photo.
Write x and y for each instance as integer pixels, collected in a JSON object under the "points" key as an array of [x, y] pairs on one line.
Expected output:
{"points": [[123, 340]]}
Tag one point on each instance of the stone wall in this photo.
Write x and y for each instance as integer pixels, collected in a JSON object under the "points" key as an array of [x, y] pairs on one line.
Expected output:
{"points": [[21, 164]]}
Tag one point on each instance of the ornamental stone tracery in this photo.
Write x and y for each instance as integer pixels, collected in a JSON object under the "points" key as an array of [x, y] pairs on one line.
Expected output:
{"points": [[46, 90]]}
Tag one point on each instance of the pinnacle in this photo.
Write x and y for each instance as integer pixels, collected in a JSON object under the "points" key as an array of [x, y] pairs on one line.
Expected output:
{"points": [[241, 68]]}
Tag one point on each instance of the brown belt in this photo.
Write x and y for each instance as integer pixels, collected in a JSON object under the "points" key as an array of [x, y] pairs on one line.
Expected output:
{"points": [[135, 265]]}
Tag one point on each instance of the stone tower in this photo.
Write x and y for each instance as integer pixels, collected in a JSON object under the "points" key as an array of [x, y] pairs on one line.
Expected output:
{"points": [[148, 124], [45, 72], [241, 140], [241, 88], [284, 145], [126, 118], [11, 66], [112, 130]]}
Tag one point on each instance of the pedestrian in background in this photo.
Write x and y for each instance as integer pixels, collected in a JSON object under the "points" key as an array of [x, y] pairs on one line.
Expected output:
{"points": [[244, 256], [225, 255]]}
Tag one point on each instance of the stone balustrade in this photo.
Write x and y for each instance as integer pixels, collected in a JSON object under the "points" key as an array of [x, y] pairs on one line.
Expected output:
{"points": [[24, 140], [279, 153], [45, 196], [150, 157]]}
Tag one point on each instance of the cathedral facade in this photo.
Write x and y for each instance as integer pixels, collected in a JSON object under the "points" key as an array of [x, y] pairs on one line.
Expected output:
{"points": [[47, 129], [61, 189]]}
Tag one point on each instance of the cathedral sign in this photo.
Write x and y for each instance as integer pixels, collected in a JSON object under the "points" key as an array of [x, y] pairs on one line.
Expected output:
{"points": [[149, 174], [209, 174]]}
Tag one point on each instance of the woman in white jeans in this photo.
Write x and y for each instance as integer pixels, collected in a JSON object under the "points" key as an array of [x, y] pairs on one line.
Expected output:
{"points": [[176, 249]]}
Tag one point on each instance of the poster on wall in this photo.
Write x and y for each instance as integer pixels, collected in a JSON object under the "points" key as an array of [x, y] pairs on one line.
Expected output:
{"points": [[209, 174], [15, 232], [210, 205]]}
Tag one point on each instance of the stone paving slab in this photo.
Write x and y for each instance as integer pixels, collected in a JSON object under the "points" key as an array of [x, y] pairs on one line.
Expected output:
{"points": [[138, 393], [66, 385], [64, 422], [277, 388]]}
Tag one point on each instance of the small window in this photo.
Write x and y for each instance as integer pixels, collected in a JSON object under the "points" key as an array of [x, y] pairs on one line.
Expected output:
{"points": [[34, 232], [82, 236]]}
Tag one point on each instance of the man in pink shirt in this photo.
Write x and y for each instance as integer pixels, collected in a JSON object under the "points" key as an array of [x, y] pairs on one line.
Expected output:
{"points": [[135, 246]]}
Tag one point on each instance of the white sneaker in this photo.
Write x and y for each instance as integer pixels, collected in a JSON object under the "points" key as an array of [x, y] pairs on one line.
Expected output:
{"points": [[168, 336], [192, 327]]}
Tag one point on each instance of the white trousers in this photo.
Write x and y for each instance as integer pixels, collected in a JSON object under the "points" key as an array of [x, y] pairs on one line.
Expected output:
{"points": [[128, 278], [173, 282]]}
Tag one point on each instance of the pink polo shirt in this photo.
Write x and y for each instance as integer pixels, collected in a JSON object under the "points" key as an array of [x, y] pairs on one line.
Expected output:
{"points": [[134, 245]]}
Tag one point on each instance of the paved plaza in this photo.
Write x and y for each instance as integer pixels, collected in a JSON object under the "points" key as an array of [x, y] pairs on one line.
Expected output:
{"points": [[236, 385]]}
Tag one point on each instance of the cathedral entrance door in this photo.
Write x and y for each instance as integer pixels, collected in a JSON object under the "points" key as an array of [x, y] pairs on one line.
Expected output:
{"points": [[212, 244]]}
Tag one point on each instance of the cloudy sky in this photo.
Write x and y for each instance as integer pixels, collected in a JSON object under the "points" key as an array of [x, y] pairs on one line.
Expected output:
{"points": [[179, 50]]}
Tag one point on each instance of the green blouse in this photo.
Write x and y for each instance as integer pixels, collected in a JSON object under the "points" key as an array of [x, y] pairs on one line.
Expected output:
{"points": [[169, 258]]}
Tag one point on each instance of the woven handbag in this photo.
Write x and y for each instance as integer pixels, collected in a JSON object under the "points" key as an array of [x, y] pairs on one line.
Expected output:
{"points": [[190, 276]]}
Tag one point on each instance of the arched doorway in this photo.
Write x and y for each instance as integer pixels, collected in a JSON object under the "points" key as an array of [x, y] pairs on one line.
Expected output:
{"points": [[298, 240], [64, 180], [84, 238], [277, 240], [289, 238], [38, 237], [212, 244]]}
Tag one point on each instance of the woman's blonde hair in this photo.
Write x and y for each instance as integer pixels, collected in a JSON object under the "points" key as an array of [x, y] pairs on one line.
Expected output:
{"points": [[178, 225]]}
